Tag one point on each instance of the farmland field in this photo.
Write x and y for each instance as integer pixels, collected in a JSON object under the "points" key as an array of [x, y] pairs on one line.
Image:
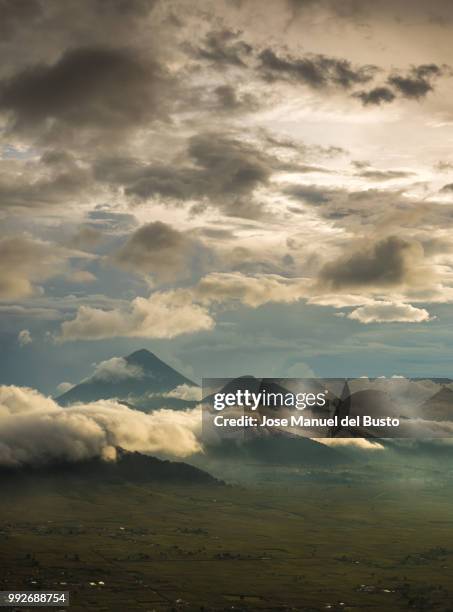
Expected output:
{"points": [[310, 545]]}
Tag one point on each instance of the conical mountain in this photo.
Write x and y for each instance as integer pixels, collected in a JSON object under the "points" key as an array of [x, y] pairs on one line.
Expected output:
{"points": [[439, 407], [138, 375]]}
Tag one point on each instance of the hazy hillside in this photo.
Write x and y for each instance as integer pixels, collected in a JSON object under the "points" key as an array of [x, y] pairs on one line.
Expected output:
{"points": [[278, 449]]}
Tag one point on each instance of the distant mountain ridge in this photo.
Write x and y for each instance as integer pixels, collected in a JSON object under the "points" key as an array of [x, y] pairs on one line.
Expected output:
{"points": [[269, 446], [143, 375]]}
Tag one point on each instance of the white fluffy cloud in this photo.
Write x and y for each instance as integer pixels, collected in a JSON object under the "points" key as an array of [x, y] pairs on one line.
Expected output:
{"points": [[63, 387], [35, 430], [167, 314], [24, 337], [389, 312], [116, 368], [162, 315], [250, 290], [185, 392]]}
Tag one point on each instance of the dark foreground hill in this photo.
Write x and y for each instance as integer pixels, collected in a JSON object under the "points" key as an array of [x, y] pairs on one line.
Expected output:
{"points": [[149, 375], [128, 468]]}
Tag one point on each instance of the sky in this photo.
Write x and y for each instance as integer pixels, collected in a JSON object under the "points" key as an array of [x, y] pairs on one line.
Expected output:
{"points": [[240, 187]]}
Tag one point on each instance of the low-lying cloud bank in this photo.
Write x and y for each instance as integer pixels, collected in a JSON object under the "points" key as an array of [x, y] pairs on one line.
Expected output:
{"points": [[35, 430]]}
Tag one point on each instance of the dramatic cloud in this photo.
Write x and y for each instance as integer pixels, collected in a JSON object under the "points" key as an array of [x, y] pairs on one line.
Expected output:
{"points": [[416, 85], [205, 150], [172, 313], [375, 96], [34, 430], [15, 13], [385, 175], [222, 48], [86, 88], [389, 312], [218, 168], [418, 82], [309, 193], [389, 262], [228, 100], [160, 250], [231, 164], [43, 183], [389, 266], [162, 315], [314, 70]]}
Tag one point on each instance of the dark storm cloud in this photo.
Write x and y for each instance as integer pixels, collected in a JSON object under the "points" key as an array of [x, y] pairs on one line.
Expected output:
{"points": [[374, 212], [15, 12], [418, 82], [74, 19], [317, 71], [283, 143], [217, 167], [308, 194], [222, 48], [376, 96], [385, 175], [337, 203], [307, 151], [45, 184], [227, 97], [236, 165], [86, 87], [229, 101], [388, 262], [148, 180], [158, 249]]}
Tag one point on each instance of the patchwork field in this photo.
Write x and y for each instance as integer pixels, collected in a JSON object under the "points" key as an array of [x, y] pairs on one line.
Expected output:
{"points": [[307, 546]]}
